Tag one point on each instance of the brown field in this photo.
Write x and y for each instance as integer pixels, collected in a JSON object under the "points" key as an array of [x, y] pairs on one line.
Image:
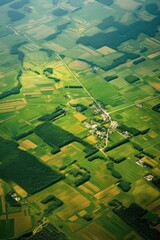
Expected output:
{"points": [[22, 223], [154, 206], [74, 226], [2, 198], [95, 232], [157, 171], [150, 161], [107, 193]]}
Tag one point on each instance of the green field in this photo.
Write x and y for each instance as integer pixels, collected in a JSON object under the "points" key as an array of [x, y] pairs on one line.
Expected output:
{"points": [[79, 93]]}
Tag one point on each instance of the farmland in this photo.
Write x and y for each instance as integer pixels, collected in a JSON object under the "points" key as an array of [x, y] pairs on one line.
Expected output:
{"points": [[79, 109]]}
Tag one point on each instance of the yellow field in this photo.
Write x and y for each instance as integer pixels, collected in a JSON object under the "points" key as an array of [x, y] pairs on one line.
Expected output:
{"points": [[27, 144], [153, 55], [80, 116], [92, 139], [20, 191]]}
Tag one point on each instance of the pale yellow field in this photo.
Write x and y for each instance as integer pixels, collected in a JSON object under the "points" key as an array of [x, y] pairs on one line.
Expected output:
{"points": [[78, 65], [153, 55], [105, 50], [128, 5]]}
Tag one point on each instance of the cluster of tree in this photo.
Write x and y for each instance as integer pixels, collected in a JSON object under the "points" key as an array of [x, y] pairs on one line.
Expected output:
{"points": [[120, 60], [132, 130], [110, 78], [148, 154], [124, 184], [96, 156], [15, 50], [117, 144], [2, 2], [57, 137], [156, 181], [121, 34], [137, 147], [73, 86], [23, 135], [152, 8], [48, 71], [47, 50], [131, 78], [139, 61], [156, 108], [134, 216], [54, 115], [48, 199], [115, 173], [106, 2], [15, 16], [59, 12], [144, 49], [19, 4], [56, 202], [117, 160], [12, 201], [54, 135], [60, 29], [25, 169], [88, 217], [49, 232], [75, 172], [79, 107], [85, 177], [14, 90], [54, 78]]}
